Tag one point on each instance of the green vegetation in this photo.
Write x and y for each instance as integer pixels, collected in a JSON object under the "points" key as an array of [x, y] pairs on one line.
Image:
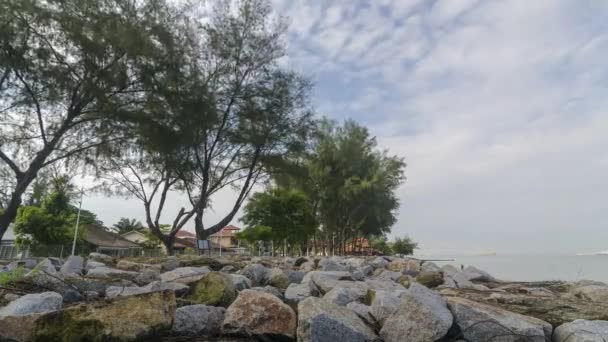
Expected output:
{"points": [[11, 277], [125, 225], [404, 246]]}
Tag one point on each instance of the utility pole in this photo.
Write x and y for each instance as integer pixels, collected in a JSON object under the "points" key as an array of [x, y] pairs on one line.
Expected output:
{"points": [[77, 221], [221, 238]]}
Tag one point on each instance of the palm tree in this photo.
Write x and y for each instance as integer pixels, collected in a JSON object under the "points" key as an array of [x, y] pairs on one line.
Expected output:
{"points": [[125, 225]]}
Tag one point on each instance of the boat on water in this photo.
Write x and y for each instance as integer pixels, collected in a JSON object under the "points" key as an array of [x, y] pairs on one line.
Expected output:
{"points": [[592, 254]]}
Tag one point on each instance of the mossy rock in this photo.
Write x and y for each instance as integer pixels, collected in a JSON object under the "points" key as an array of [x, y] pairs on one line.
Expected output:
{"points": [[430, 279], [405, 281], [214, 288], [369, 297], [278, 279], [125, 319], [300, 261]]}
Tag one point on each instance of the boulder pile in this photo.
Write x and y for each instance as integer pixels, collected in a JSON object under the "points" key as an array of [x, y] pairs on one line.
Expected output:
{"points": [[287, 299]]}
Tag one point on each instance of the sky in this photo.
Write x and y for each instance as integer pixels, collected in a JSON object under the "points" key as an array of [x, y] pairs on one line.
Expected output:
{"points": [[498, 107]]}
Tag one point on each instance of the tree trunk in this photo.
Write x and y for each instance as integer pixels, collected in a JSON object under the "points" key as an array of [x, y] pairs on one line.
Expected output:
{"points": [[168, 243]]}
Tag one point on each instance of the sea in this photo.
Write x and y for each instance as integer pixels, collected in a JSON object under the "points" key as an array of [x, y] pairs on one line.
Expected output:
{"points": [[535, 267]]}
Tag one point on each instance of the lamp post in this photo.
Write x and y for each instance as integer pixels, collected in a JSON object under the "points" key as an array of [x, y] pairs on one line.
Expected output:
{"points": [[221, 238], [77, 221]]}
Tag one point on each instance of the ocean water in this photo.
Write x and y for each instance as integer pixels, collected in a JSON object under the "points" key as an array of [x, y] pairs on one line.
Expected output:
{"points": [[535, 268]]}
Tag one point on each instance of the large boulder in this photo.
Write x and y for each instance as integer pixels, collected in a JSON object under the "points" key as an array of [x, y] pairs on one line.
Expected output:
{"points": [[215, 288], [123, 319], [322, 321], [430, 279], [275, 291], [404, 265], [596, 293], [33, 303], [17, 328], [146, 276], [422, 316], [258, 274], [124, 291], [240, 281], [582, 330], [198, 320], [342, 296], [384, 285], [326, 281], [474, 274], [185, 275], [295, 276], [136, 267], [331, 264], [73, 266], [260, 315], [482, 322], [383, 304], [298, 292], [428, 266], [379, 262], [362, 310], [278, 278], [103, 258], [111, 273]]}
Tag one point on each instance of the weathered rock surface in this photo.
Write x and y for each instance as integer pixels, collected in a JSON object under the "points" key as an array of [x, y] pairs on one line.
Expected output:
{"points": [[481, 322], [257, 273], [240, 281], [342, 296], [384, 304], [214, 288], [73, 266], [430, 279], [582, 331], [362, 310], [596, 293], [111, 273], [270, 290], [260, 315], [123, 319], [33, 303], [298, 292], [184, 275], [422, 316], [198, 320], [322, 321], [105, 259]]}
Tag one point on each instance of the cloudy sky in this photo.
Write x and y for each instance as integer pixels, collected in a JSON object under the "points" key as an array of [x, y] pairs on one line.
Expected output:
{"points": [[499, 108]]}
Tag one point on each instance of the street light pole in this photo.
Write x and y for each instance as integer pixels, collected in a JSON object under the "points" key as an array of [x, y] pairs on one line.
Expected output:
{"points": [[221, 238], [77, 221]]}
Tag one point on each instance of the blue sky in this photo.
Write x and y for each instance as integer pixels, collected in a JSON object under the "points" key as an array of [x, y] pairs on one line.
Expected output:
{"points": [[498, 107]]}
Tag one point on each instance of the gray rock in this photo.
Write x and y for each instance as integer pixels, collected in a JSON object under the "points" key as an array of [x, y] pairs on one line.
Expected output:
{"points": [[367, 270], [240, 281], [178, 288], [298, 292], [228, 269], [295, 277], [33, 303], [185, 275], [198, 320], [329, 264], [325, 281], [91, 264], [357, 275], [449, 269], [307, 266], [384, 304], [354, 263], [384, 285], [124, 291], [111, 273], [24, 263], [429, 266], [596, 293], [422, 316], [379, 262], [322, 321], [258, 274], [582, 330], [71, 297], [73, 266], [586, 282], [270, 290], [101, 258], [474, 274], [482, 322], [342, 296], [146, 276], [9, 297], [170, 264], [362, 310], [389, 275]]}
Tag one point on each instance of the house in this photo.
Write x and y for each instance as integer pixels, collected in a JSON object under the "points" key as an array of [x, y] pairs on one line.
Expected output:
{"points": [[8, 249], [183, 240], [135, 236], [100, 240], [225, 237]]}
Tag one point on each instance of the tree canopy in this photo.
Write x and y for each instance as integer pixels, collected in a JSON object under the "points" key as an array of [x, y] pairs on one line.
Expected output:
{"points": [[125, 225]]}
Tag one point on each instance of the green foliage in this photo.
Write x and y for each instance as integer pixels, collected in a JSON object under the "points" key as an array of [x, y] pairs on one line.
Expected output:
{"points": [[287, 212], [255, 233], [11, 277], [381, 245], [404, 246], [125, 225]]}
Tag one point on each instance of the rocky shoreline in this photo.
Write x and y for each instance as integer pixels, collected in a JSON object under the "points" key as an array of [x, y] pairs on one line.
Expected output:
{"points": [[192, 298]]}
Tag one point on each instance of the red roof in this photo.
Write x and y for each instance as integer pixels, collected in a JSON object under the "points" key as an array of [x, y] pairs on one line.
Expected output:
{"points": [[227, 231], [184, 234]]}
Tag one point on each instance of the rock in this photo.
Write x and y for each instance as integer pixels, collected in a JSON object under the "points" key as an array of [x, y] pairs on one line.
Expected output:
{"points": [[106, 259], [228, 269], [200, 261], [329, 264], [379, 262], [325, 281], [257, 273], [354, 263], [366, 270], [278, 279], [213, 288], [307, 266], [586, 282], [343, 296], [185, 275], [430, 279], [388, 275], [475, 274], [73, 266], [111, 273], [270, 290], [404, 265], [357, 275], [321, 321], [295, 276], [198, 320], [421, 316], [429, 266], [147, 276], [260, 315], [91, 264], [384, 285], [461, 280], [405, 281], [24, 263], [18, 328], [582, 330], [482, 322], [449, 269], [299, 261], [169, 264], [122, 319], [136, 267], [240, 281], [383, 304], [298, 292], [9, 297], [123, 291], [33, 303], [362, 310], [178, 288], [596, 293], [71, 297]]}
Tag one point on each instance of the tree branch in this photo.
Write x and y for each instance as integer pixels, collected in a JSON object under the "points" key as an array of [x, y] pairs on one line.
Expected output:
{"points": [[11, 164]]}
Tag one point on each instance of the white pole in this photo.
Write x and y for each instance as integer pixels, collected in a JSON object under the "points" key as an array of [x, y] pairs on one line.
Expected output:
{"points": [[77, 222]]}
